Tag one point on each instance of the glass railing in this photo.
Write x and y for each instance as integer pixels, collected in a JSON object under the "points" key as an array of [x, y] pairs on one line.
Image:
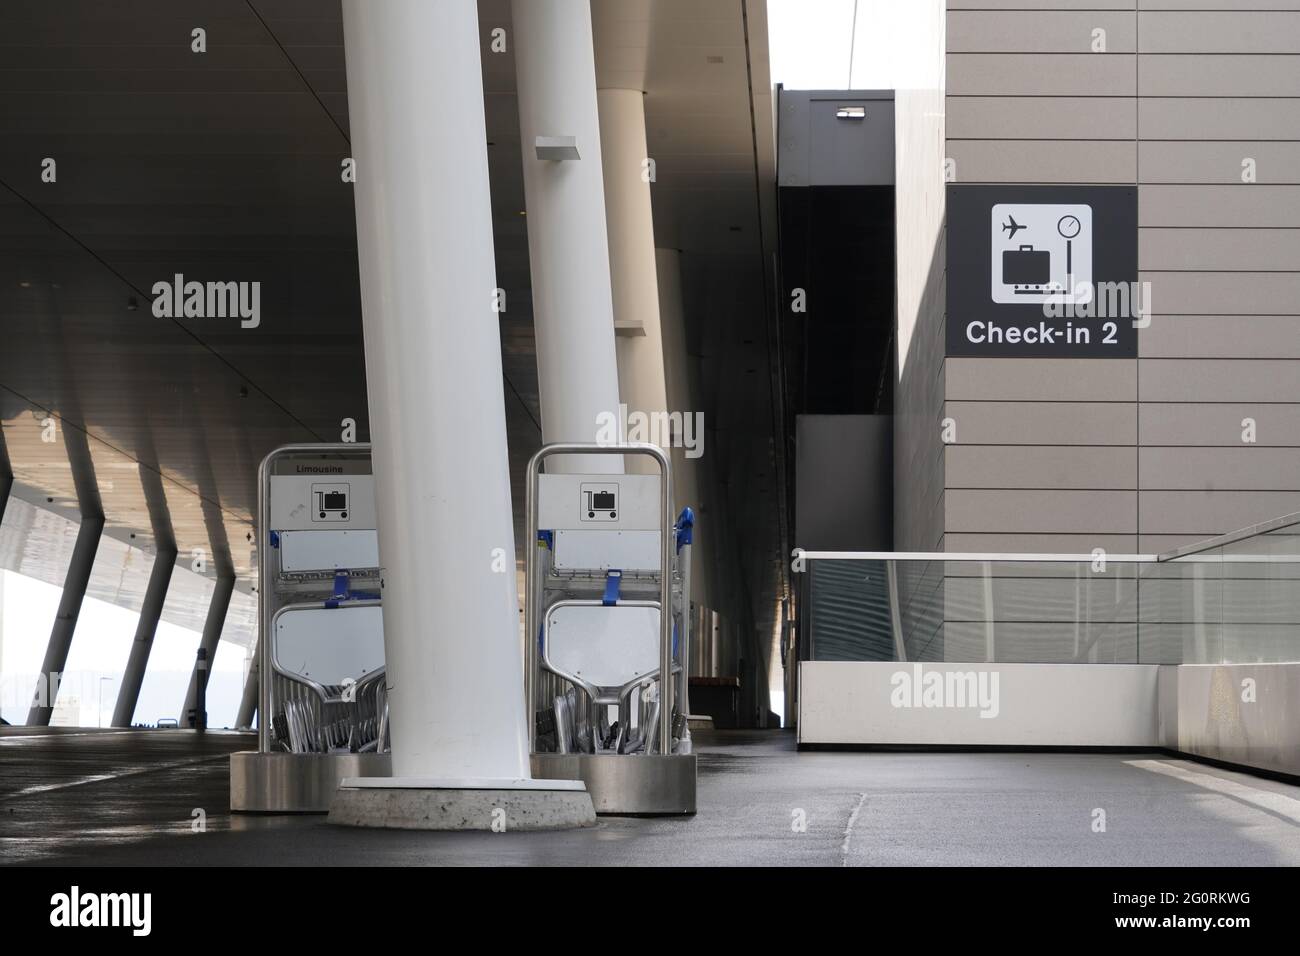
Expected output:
{"points": [[1238, 600], [1234, 599], [994, 608]]}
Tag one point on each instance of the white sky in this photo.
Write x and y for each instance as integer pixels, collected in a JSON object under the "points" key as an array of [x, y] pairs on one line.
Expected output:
{"points": [[99, 650], [895, 44]]}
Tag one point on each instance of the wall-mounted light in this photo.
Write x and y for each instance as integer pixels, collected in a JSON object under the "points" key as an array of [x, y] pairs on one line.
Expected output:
{"points": [[851, 113]]}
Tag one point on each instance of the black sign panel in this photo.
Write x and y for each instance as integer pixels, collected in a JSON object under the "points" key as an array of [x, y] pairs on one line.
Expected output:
{"points": [[1043, 271]]}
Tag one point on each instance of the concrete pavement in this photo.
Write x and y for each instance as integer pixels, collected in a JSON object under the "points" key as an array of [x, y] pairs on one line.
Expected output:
{"points": [[132, 798]]}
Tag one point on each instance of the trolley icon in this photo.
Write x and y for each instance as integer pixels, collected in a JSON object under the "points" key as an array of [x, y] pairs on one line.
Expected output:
{"points": [[599, 502], [329, 502]]}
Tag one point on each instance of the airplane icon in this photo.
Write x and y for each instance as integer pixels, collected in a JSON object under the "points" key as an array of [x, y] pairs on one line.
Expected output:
{"points": [[1011, 226]]}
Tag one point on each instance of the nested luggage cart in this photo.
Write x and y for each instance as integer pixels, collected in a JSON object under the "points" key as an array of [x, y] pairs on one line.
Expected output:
{"points": [[607, 613], [322, 706]]}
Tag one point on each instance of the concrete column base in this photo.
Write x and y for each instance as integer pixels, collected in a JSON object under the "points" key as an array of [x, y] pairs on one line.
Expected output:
{"points": [[396, 804]]}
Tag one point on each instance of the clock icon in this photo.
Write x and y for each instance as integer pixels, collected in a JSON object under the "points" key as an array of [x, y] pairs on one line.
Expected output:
{"points": [[1068, 226]]}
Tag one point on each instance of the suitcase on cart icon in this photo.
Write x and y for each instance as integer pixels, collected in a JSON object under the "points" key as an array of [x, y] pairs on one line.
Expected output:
{"points": [[1027, 268]]}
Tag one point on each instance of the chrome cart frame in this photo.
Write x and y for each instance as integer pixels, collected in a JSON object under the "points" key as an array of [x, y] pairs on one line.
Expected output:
{"points": [[657, 781], [273, 780]]}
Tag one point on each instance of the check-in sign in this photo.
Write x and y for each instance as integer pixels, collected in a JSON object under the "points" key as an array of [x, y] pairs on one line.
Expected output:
{"points": [[1042, 252], [1038, 271]]}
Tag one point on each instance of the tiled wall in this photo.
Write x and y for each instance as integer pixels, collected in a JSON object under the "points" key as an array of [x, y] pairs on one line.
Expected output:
{"points": [[1145, 454]]}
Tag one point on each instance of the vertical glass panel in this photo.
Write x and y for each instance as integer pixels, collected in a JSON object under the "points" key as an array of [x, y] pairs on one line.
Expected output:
{"points": [[1180, 604], [171, 661], [226, 683], [1260, 598], [921, 600], [96, 660], [850, 613]]}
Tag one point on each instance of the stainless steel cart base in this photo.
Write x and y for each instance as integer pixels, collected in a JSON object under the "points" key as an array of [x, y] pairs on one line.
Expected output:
{"points": [[651, 784], [296, 783]]}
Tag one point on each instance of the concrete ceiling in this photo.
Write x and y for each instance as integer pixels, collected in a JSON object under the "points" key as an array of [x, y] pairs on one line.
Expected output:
{"points": [[225, 166]]}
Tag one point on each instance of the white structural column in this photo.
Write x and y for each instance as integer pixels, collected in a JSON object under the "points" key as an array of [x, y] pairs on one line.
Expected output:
{"points": [[632, 261], [573, 314], [433, 376]]}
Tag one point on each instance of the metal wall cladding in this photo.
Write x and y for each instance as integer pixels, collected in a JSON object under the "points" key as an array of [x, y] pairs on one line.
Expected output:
{"points": [[1200, 433]]}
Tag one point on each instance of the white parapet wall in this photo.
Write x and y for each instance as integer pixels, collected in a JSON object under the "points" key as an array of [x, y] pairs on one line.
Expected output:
{"points": [[999, 705], [1247, 714]]}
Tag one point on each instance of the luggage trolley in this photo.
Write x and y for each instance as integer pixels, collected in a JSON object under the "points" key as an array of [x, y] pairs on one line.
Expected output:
{"points": [[322, 703], [606, 615]]}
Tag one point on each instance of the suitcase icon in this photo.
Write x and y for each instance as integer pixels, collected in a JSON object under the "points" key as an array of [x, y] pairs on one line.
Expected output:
{"points": [[600, 504], [1026, 266]]}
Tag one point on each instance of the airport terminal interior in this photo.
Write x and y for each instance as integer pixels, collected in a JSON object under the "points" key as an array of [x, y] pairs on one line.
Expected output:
{"points": [[650, 432]]}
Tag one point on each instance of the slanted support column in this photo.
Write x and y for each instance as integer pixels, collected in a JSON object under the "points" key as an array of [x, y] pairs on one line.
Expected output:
{"points": [[435, 388], [436, 394], [568, 248], [438, 432], [155, 596], [248, 702], [65, 621], [640, 348], [6, 477], [207, 650]]}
